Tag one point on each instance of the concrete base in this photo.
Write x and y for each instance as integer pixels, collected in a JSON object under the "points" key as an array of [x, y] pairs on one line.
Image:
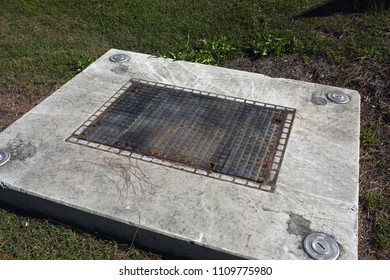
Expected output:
{"points": [[181, 213]]}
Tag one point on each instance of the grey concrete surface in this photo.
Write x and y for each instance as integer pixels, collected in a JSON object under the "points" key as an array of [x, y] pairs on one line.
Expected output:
{"points": [[176, 212]]}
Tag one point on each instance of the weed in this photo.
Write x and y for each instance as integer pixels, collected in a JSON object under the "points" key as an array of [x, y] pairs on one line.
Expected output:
{"points": [[215, 51], [370, 157], [378, 205], [338, 58], [383, 233], [77, 65], [368, 135], [384, 164], [368, 52], [268, 45], [375, 201]]}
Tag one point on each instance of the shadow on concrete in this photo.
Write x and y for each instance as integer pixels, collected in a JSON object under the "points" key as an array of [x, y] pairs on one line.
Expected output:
{"points": [[345, 7]]}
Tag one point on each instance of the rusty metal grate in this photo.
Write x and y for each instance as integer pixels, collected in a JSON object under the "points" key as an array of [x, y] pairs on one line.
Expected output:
{"points": [[223, 137]]}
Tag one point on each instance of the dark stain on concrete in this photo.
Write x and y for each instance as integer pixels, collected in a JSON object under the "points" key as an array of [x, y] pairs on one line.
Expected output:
{"points": [[21, 150], [318, 100], [120, 69], [298, 225]]}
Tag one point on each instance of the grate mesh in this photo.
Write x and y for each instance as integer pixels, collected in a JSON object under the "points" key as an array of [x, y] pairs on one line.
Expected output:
{"points": [[207, 132]]}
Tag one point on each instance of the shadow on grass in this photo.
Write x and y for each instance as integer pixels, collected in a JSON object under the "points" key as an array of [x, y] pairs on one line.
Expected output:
{"points": [[345, 7]]}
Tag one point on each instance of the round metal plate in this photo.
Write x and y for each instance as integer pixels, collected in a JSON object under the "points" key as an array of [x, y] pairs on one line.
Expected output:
{"points": [[4, 156], [320, 246], [338, 97], [121, 57]]}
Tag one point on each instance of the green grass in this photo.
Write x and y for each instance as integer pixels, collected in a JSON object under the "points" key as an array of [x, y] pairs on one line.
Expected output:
{"points": [[39, 38], [368, 133], [368, 137], [215, 51], [23, 237], [44, 43], [383, 233], [79, 64], [378, 205]]}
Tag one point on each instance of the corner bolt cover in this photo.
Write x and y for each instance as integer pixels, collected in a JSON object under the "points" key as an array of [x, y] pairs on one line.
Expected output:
{"points": [[4, 156], [338, 97], [121, 57], [320, 246]]}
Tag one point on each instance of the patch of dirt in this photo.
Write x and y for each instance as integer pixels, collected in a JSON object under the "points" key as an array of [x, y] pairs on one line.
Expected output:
{"points": [[15, 102], [372, 80]]}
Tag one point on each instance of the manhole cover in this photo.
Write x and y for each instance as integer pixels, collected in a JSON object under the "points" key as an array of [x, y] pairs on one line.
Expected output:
{"points": [[208, 132]]}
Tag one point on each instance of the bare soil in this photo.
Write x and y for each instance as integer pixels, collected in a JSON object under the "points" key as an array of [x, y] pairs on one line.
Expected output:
{"points": [[371, 78], [15, 102]]}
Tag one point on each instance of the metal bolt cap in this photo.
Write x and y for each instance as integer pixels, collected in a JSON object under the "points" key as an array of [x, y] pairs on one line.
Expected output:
{"points": [[320, 246], [4, 156], [338, 97], [121, 57]]}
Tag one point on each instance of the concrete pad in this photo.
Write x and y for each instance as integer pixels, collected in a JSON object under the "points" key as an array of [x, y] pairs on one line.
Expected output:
{"points": [[177, 212]]}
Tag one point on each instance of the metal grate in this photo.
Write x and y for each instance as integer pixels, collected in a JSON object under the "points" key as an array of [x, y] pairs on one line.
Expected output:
{"points": [[203, 132]]}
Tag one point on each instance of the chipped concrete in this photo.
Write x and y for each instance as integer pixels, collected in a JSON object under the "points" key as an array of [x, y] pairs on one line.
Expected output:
{"points": [[181, 213]]}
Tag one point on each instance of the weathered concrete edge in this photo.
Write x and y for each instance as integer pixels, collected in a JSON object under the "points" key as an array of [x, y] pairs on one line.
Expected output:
{"points": [[109, 227]]}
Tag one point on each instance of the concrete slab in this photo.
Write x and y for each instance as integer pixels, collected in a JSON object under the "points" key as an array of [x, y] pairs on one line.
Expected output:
{"points": [[177, 212]]}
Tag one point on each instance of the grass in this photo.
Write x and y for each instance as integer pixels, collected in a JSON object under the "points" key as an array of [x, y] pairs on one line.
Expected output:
{"points": [[39, 38], [378, 205], [79, 64], [24, 237], [215, 51], [368, 133], [45, 43]]}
